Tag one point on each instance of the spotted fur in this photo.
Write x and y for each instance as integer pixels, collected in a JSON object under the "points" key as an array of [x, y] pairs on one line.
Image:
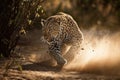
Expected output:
{"points": [[60, 32]]}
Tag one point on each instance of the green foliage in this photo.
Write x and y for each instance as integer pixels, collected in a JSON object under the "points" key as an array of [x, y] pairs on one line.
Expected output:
{"points": [[31, 13], [20, 67], [1, 55], [16, 15]]}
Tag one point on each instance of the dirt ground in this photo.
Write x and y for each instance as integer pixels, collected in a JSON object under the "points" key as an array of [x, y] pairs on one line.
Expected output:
{"points": [[35, 52]]}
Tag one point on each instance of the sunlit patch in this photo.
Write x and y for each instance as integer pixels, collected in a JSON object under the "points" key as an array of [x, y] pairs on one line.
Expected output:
{"points": [[65, 49], [95, 53]]}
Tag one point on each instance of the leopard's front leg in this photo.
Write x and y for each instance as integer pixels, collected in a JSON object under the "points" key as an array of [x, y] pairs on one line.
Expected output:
{"points": [[55, 52]]}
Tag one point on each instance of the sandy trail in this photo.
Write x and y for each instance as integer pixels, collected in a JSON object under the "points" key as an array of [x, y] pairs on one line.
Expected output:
{"points": [[35, 52]]}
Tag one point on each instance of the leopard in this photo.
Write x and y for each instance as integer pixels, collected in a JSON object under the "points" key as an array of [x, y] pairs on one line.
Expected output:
{"points": [[63, 36]]}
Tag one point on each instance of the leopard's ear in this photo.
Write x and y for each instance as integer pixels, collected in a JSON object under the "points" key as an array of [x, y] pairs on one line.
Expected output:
{"points": [[43, 22]]}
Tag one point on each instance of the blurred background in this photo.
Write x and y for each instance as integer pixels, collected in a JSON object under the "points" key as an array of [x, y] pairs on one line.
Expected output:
{"points": [[103, 13], [99, 20], [20, 20]]}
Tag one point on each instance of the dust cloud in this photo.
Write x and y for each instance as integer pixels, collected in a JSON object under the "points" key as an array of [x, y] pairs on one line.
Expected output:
{"points": [[101, 53]]}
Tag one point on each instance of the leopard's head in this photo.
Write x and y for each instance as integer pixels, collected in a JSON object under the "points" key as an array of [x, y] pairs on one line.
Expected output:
{"points": [[50, 29]]}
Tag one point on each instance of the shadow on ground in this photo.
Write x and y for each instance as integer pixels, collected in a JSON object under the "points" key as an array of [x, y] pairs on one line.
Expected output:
{"points": [[39, 67]]}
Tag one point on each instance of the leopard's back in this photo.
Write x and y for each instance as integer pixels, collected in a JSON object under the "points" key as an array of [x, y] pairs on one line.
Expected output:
{"points": [[62, 26]]}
